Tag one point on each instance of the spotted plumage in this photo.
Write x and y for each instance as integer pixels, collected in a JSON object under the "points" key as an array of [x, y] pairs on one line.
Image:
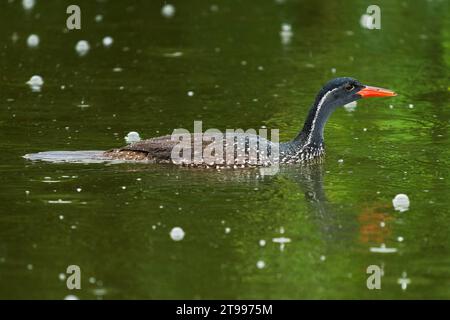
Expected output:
{"points": [[307, 146]]}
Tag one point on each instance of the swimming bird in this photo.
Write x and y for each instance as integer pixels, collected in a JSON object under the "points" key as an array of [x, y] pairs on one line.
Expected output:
{"points": [[306, 146]]}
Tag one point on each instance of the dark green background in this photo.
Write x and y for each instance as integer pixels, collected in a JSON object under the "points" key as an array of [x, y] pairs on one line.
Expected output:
{"points": [[332, 210]]}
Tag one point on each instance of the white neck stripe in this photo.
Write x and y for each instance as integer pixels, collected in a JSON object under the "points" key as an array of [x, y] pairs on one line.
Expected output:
{"points": [[313, 126]]}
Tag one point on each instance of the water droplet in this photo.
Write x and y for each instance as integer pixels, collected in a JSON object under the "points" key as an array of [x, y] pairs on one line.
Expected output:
{"points": [[401, 202], [366, 21], [168, 11], [28, 4], [82, 47], [33, 41], [383, 249], [98, 18], [132, 136], [350, 107], [107, 41], [177, 234], [35, 83]]}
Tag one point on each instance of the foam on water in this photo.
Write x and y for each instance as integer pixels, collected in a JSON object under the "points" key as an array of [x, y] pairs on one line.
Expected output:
{"points": [[35, 83], [107, 41], [132, 136], [82, 47], [383, 249], [28, 4], [33, 41], [350, 107], [401, 202], [366, 21], [168, 11], [177, 234], [286, 33]]}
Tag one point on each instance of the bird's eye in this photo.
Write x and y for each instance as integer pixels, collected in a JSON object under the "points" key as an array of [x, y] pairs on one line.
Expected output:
{"points": [[349, 87]]}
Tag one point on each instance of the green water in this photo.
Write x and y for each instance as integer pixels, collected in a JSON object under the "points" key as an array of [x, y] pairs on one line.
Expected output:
{"points": [[115, 220]]}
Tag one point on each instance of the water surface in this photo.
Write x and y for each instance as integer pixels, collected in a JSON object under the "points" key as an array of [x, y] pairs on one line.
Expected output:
{"points": [[114, 220]]}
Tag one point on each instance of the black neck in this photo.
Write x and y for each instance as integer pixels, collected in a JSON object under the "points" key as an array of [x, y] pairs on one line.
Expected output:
{"points": [[312, 131]]}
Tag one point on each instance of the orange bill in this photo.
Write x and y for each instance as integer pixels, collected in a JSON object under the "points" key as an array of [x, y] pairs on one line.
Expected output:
{"points": [[368, 92]]}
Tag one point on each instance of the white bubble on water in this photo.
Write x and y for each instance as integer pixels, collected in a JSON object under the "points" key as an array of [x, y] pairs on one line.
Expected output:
{"points": [[401, 202], [14, 37], [383, 249], [350, 107], [168, 11], [107, 41], [132, 136], [214, 8], [366, 21], [99, 292], [282, 241], [175, 54], [82, 47], [177, 234], [28, 4], [286, 27], [35, 83], [98, 18], [33, 41], [286, 33]]}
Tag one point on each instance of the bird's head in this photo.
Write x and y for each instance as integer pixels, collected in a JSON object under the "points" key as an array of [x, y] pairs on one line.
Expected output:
{"points": [[341, 91], [337, 92]]}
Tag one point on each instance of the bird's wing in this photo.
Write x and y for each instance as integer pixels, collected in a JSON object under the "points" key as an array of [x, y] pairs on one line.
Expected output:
{"points": [[159, 147]]}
